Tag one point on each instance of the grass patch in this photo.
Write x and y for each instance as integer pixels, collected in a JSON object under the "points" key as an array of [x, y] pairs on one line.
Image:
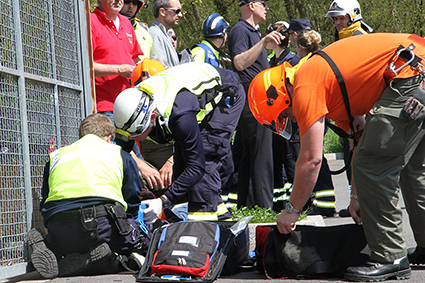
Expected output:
{"points": [[333, 143], [261, 215]]}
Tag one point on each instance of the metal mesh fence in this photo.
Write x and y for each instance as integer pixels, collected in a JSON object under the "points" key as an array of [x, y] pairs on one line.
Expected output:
{"points": [[41, 135], [41, 106], [70, 111], [36, 37], [66, 48], [7, 37], [12, 206]]}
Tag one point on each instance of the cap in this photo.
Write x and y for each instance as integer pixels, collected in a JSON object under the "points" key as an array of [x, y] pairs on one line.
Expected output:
{"points": [[243, 2], [299, 25]]}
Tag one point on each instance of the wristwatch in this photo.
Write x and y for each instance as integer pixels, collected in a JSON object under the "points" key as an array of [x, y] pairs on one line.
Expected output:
{"points": [[289, 208], [165, 202]]}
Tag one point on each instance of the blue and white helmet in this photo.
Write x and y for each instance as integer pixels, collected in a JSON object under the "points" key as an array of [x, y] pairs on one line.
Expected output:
{"points": [[132, 110], [214, 25]]}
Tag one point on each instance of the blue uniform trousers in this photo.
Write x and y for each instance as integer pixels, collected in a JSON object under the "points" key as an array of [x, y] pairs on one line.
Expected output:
{"points": [[217, 132]]}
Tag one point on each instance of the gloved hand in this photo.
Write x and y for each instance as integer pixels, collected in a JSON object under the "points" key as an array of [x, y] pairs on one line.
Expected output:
{"points": [[153, 210]]}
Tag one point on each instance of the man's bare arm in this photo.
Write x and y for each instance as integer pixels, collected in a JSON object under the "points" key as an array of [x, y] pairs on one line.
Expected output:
{"points": [[247, 58], [102, 70]]}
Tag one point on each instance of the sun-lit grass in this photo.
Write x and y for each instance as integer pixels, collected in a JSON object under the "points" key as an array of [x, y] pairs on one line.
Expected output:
{"points": [[261, 215]]}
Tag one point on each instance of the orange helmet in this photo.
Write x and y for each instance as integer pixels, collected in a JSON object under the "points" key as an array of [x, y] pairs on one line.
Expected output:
{"points": [[145, 70], [268, 97]]}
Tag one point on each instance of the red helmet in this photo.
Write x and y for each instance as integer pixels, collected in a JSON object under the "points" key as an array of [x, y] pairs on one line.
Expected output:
{"points": [[145, 70], [268, 97]]}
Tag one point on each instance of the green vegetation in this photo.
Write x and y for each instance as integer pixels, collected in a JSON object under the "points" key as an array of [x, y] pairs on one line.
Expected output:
{"points": [[261, 215], [383, 16], [333, 143]]}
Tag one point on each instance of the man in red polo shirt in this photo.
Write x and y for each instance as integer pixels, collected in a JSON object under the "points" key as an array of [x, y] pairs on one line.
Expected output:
{"points": [[115, 54]]}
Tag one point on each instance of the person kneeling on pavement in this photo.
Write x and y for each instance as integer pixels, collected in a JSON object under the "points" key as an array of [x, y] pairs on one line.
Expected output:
{"points": [[197, 106], [90, 200]]}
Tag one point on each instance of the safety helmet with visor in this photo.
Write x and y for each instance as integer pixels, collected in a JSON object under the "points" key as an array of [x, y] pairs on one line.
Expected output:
{"points": [[133, 110], [345, 7], [268, 97]]}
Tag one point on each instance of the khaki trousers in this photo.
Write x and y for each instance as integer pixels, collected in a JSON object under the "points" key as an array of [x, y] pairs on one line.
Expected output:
{"points": [[391, 157]]}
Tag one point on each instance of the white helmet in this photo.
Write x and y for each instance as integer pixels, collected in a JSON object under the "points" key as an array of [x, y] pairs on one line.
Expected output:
{"points": [[132, 110], [345, 7]]}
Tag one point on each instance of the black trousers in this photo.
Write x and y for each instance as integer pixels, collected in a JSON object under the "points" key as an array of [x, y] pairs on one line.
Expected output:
{"points": [[256, 163], [67, 235]]}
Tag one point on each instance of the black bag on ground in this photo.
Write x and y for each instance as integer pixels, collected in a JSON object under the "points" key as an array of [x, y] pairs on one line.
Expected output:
{"points": [[194, 251], [238, 247], [311, 251]]}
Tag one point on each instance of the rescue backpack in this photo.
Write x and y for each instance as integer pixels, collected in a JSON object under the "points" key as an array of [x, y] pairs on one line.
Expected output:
{"points": [[195, 251]]}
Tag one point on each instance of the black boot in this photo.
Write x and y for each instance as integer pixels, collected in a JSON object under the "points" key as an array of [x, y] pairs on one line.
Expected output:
{"points": [[376, 271], [344, 212], [43, 259], [416, 255], [98, 260]]}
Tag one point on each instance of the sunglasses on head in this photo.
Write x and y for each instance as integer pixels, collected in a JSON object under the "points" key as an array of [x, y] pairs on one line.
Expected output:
{"points": [[177, 11]]}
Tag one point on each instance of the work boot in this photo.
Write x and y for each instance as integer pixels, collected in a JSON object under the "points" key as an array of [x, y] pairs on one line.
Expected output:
{"points": [[376, 271], [43, 259], [344, 212], [136, 261], [97, 261], [325, 212], [416, 255], [132, 263]]}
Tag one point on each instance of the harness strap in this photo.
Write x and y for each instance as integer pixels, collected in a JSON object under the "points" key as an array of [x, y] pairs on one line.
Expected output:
{"points": [[228, 97], [336, 129], [343, 90]]}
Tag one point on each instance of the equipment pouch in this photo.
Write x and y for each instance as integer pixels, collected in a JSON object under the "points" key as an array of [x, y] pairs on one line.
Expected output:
{"points": [[89, 222], [414, 107], [117, 212]]}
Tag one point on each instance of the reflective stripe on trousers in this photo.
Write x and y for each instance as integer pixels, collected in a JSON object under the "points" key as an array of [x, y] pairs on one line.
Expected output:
{"points": [[207, 216]]}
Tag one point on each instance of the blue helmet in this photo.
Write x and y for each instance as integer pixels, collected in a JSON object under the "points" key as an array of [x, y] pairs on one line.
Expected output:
{"points": [[214, 25]]}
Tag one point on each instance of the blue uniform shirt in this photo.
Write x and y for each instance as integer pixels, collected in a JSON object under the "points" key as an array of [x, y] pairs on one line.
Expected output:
{"points": [[242, 37]]}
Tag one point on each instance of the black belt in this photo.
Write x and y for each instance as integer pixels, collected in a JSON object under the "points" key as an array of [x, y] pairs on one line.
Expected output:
{"points": [[75, 214]]}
